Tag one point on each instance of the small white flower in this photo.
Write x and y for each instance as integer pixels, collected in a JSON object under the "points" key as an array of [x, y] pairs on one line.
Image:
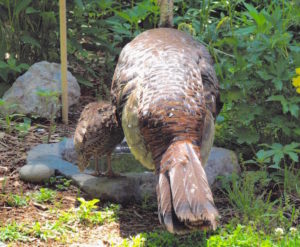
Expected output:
{"points": [[7, 55], [293, 230], [279, 231]]}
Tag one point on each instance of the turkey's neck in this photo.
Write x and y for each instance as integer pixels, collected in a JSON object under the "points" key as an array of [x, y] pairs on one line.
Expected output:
{"points": [[166, 13]]}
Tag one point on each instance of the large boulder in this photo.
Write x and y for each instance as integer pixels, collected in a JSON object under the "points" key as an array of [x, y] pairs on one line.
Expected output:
{"points": [[41, 77]]}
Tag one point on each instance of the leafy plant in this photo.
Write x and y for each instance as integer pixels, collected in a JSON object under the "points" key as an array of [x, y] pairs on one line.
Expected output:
{"points": [[25, 36], [277, 152], [86, 214], [14, 200], [23, 128], [44, 232], [60, 183], [12, 232], [45, 195], [245, 39], [10, 67], [6, 115], [51, 101]]}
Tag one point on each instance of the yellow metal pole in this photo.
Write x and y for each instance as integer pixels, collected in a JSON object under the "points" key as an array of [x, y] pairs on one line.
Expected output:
{"points": [[63, 58]]}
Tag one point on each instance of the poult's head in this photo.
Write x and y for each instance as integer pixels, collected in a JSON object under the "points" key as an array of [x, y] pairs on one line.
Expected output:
{"points": [[97, 132]]}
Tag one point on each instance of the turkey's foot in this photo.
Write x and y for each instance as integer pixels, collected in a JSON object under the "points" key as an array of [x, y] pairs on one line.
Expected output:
{"points": [[95, 174], [111, 174]]}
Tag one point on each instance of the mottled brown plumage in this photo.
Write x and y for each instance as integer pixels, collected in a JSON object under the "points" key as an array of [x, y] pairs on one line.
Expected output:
{"points": [[97, 133], [166, 95]]}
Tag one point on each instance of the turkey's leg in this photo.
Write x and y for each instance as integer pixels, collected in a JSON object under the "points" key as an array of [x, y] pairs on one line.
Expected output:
{"points": [[97, 171], [96, 166], [109, 172]]}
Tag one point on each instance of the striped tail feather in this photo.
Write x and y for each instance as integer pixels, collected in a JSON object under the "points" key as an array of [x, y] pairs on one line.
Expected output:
{"points": [[185, 200]]}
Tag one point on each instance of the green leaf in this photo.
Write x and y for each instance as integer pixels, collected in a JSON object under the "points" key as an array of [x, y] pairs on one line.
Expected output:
{"points": [[3, 65], [11, 62], [293, 156], [276, 98], [79, 4], [23, 66], [294, 110], [292, 146], [264, 75], [124, 16], [245, 30], [282, 100], [84, 82], [21, 6], [297, 131], [29, 40], [247, 136], [31, 10], [278, 157], [278, 83], [277, 146], [275, 166]]}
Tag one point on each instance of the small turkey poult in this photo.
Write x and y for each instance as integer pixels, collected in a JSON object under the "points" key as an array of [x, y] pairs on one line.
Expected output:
{"points": [[97, 134], [166, 95]]}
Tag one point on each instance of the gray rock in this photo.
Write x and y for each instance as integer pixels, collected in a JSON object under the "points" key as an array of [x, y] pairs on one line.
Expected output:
{"points": [[221, 162], [40, 76], [2, 244], [132, 186], [36, 173]]}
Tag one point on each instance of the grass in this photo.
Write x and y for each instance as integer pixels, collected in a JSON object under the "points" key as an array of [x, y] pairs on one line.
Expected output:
{"points": [[248, 236], [65, 223], [258, 219], [230, 235]]}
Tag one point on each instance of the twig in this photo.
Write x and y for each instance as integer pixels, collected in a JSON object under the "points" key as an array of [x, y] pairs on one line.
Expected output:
{"points": [[40, 206], [3, 144], [137, 214]]}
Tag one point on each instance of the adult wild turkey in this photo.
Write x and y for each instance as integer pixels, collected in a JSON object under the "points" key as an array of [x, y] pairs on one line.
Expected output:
{"points": [[166, 95], [166, 98], [97, 133]]}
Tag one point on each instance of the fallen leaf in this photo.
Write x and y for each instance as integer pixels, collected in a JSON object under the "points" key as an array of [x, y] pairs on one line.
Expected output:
{"points": [[16, 184]]}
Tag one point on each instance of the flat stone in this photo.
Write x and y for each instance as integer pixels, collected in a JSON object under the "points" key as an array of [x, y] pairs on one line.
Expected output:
{"points": [[133, 186], [36, 173]]}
